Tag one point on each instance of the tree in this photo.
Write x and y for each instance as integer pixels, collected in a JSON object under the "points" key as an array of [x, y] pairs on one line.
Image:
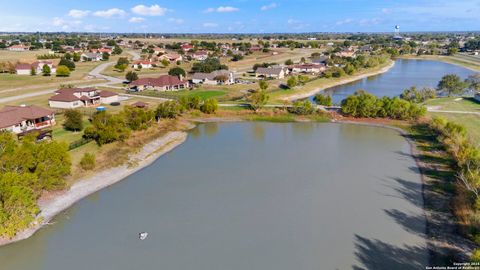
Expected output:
{"points": [[452, 84], [107, 128], [302, 108], [76, 57], [105, 56], [208, 65], [65, 62], [73, 120], [167, 109], [322, 99], [122, 64], [33, 71], [237, 57], [258, 100], [63, 71], [209, 106], [131, 76], [165, 63], [88, 161], [117, 50], [68, 56], [263, 84], [46, 70], [292, 82], [177, 71], [289, 62]]}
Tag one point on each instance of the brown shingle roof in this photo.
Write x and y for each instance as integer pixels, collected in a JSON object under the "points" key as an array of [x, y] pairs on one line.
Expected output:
{"points": [[164, 80], [14, 115], [105, 93]]}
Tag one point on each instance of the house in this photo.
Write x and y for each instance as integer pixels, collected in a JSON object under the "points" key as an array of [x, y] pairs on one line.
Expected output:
{"points": [[321, 60], [255, 48], [346, 53], [23, 68], [142, 64], [21, 119], [18, 48], [162, 83], [271, 72], [70, 98], [214, 78], [186, 47], [308, 68], [199, 55], [171, 57], [158, 50], [73, 50], [102, 50], [93, 57], [26, 69]]}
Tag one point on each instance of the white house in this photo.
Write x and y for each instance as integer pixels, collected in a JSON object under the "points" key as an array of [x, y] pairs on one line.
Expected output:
{"points": [[162, 83], [271, 72], [308, 68], [91, 57], [199, 55], [214, 78], [70, 98], [20, 119], [142, 64], [26, 69], [18, 48]]}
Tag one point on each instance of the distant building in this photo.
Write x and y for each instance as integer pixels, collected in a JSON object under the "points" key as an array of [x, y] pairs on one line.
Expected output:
{"points": [[162, 83], [142, 64], [271, 72], [26, 69], [18, 48], [308, 68], [171, 57], [217, 77], [199, 55], [91, 57], [20, 119], [70, 98]]}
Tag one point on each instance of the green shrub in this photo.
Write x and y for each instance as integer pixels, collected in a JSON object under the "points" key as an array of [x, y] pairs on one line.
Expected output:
{"points": [[209, 106], [88, 162]]}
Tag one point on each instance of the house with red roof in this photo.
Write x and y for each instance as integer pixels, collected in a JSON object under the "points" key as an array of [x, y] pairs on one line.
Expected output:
{"points": [[102, 50], [70, 98], [142, 64], [162, 83], [187, 47], [199, 55], [22, 119], [25, 68], [18, 48]]}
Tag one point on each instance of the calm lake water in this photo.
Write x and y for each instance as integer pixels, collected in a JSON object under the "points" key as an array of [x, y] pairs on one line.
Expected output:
{"points": [[405, 73], [249, 196]]}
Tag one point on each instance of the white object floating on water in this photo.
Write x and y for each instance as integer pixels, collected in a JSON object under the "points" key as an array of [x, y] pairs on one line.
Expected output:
{"points": [[143, 235]]}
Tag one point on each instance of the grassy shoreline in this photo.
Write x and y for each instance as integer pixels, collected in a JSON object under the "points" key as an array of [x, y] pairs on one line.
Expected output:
{"points": [[446, 59]]}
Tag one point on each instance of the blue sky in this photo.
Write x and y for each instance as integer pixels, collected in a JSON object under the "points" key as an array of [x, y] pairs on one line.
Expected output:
{"points": [[239, 16]]}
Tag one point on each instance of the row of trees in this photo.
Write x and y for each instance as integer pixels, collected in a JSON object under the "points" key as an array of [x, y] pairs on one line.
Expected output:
{"points": [[452, 84], [26, 169], [107, 128], [363, 104]]}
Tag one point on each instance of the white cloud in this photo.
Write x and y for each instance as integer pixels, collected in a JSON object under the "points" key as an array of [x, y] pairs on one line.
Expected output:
{"points": [[369, 22], [76, 13], [210, 25], [268, 7], [136, 20], [58, 21], [154, 10], [221, 9], [176, 20], [296, 24], [110, 13], [346, 21], [386, 11]]}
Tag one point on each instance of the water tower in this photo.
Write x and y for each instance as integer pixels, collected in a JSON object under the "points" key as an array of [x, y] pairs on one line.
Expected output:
{"points": [[397, 35]]}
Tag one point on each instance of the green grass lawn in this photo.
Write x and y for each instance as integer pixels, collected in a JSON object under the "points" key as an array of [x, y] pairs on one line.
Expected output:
{"points": [[454, 104], [470, 121], [202, 93]]}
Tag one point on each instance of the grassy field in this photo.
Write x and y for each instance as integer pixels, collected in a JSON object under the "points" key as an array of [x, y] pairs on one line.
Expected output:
{"points": [[454, 104], [28, 56], [457, 59], [470, 121]]}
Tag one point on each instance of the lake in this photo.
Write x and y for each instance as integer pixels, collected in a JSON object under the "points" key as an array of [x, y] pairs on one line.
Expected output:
{"points": [[405, 73], [249, 196]]}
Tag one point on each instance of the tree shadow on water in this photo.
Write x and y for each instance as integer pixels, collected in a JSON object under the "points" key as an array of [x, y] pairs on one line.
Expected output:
{"points": [[374, 254]]}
